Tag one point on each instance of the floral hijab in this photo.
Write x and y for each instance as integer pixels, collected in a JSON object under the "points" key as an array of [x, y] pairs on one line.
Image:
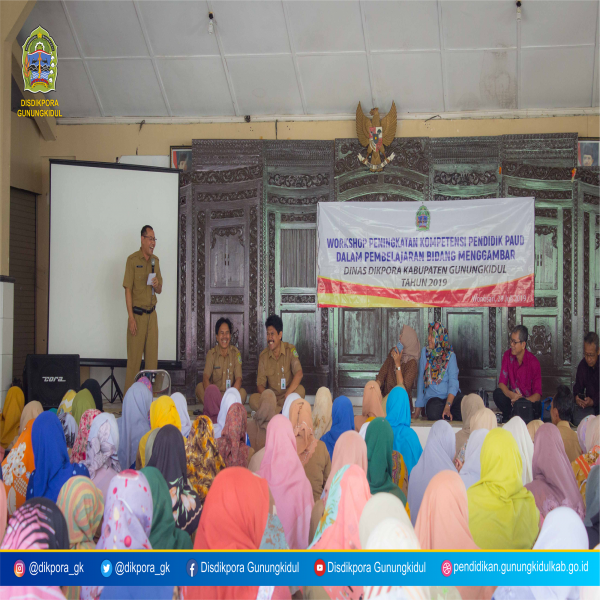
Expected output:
{"points": [[17, 468], [80, 444], [70, 428], [232, 443], [103, 445], [168, 456], [202, 456], [66, 404], [438, 357]]}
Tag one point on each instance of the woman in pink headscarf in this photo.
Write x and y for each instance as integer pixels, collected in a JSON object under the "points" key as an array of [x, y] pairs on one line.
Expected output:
{"points": [[291, 490]]}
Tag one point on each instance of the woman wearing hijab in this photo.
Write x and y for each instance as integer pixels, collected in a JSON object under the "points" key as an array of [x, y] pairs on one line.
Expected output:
{"points": [[70, 430], [406, 440], [162, 412], [581, 431], [184, 415], [257, 426], [371, 405], [102, 458], [80, 443], [408, 359], [437, 456], [237, 515], [66, 404], [312, 453], [31, 411], [342, 419], [484, 418], [146, 382], [469, 405], [592, 509], [285, 411], [17, 468], [232, 443], [502, 513], [581, 465], [553, 482], [52, 466], [517, 427], [212, 402], [3, 511], [83, 401], [291, 490], [533, 426], [202, 456], [82, 505], [230, 397], [438, 392], [164, 534], [134, 423], [94, 388], [322, 412], [470, 472], [37, 525], [168, 456], [10, 417], [380, 442]]}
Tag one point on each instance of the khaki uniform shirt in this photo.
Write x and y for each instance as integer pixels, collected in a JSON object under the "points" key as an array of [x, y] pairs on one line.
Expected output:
{"points": [[271, 371], [137, 269], [219, 368]]}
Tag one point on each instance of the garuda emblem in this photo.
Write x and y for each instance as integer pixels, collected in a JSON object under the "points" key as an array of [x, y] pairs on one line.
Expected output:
{"points": [[375, 133]]}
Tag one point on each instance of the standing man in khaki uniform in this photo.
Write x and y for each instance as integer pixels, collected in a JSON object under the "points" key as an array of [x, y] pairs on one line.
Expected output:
{"points": [[223, 366], [140, 298], [279, 368]]}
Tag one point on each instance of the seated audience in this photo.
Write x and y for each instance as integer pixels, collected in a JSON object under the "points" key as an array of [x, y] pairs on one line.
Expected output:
{"points": [[502, 513], [322, 412], [437, 456], [342, 419], [438, 392], [313, 453], [404, 364], [518, 429], [582, 464], [582, 429], [292, 492], [3, 511], [94, 388], [83, 401], [134, 422], [285, 411], [223, 366], [80, 444], [31, 411], [469, 405], [230, 397], [350, 449], [553, 482], [279, 368], [66, 404], [168, 456], [484, 418], [101, 458], [70, 430], [592, 509], [470, 469], [520, 376], [162, 412], [561, 414], [232, 443], [587, 380], [532, 428], [257, 426], [10, 417], [212, 402], [184, 415], [371, 405]]}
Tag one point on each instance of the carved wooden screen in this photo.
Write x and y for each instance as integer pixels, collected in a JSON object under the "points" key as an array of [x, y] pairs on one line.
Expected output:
{"points": [[298, 175]]}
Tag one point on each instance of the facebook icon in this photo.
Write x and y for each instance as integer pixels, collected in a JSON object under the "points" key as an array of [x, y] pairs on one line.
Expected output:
{"points": [[192, 568]]}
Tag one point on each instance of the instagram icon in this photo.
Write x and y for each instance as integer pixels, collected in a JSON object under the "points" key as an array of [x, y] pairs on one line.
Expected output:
{"points": [[19, 568]]}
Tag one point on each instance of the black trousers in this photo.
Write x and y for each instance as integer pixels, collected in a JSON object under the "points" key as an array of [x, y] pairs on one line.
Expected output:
{"points": [[505, 405], [580, 413], [435, 408]]}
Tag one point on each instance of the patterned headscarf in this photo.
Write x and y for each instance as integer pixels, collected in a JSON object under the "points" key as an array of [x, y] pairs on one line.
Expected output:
{"points": [[146, 382], [66, 404], [102, 445], [69, 427], [202, 456], [80, 444], [17, 468], [438, 357], [10, 416], [232, 443]]}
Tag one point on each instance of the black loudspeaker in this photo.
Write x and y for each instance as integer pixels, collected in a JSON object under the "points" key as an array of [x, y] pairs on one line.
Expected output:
{"points": [[48, 377]]}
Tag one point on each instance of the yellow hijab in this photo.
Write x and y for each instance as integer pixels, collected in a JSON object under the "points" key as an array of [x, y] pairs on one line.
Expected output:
{"points": [[83, 401], [162, 412], [10, 417], [66, 404], [502, 513]]}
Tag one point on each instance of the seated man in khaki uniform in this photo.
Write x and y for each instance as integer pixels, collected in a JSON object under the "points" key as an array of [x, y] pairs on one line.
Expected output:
{"points": [[223, 366], [279, 368]]}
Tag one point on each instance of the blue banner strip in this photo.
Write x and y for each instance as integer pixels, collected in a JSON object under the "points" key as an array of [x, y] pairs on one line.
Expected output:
{"points": [[295, 568]]}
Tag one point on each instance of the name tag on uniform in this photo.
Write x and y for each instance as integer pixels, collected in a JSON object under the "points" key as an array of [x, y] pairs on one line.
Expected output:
{"points": [[227, 384], [283, 383]]}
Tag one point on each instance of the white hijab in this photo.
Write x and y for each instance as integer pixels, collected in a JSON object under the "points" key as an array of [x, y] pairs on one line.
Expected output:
{"points": [[363, 430], [517, 427], [471, 469], [184, 415], [285, 411], [384, 506], [230, 397]]}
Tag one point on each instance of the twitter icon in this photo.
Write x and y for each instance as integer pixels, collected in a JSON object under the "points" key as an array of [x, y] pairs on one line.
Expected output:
{"points": [[106, 568]]}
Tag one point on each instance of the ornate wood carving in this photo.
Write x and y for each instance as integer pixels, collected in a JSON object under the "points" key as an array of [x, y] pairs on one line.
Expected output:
{"points": [[220, 299], [512, 319], [313, 201], [227, 196], [182, 199], [226, 214], [271, 263], [597, 241], [590, 175], [298, 218], [200, 281], [586, 271], [299, 181], [349, 162], [472, 178], [492, 339], [297, 299], [359, 182], [525, 171], [411, 153], [540, 342], [226, 232], [540, 194], [551, 213], [465, 150], [540, 146], [253, 287], [382, 198], [443, 198], [591, 199], [597, 302], [182, 283], [404, 182], [226, 152], [325, 336], [437, 313], [548, 230], [567, 281], [546, 302], [226, 176]]}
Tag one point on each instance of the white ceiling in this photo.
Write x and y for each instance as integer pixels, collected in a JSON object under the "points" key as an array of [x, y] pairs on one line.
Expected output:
{"points": [[156, 58]]}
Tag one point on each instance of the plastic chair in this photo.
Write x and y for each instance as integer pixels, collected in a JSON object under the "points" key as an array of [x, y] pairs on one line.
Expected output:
{"points": [[546, 406], [161, 381]]}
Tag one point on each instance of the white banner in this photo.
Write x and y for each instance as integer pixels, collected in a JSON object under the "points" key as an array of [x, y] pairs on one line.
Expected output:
{"points": [[455, 253]]}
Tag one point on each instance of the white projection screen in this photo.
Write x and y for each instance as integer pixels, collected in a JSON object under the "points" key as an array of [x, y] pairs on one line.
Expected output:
{"points": [[96, 213]]}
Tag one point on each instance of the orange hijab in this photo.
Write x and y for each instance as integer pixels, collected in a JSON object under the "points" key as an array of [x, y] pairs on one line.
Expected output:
{"points": [[350, 449], [372, 406], [17, 468], [301, 418]]}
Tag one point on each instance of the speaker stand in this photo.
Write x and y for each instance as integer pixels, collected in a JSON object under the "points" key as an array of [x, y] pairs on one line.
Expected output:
{"points": [[115, 390]]}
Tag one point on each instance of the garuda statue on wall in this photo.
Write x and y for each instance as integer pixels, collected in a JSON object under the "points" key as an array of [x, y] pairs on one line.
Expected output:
{"points": [[375, 133]]}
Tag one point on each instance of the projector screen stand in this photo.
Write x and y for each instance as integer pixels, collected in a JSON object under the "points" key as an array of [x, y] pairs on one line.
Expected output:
{"points": [[115, 390]]}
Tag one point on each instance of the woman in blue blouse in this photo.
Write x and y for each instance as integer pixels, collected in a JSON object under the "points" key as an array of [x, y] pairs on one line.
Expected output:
{"points": [[437, 383]]}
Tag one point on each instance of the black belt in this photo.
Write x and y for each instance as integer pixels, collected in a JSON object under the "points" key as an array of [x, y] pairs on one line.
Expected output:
{"points": [[142, 311]]}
